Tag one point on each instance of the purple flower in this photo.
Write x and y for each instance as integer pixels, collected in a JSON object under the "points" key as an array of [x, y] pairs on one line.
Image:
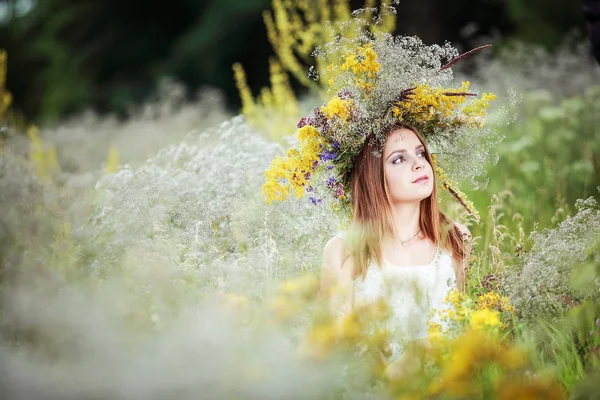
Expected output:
{"points": [[302, 123], [327, 155], [318, 119], [336, 144], [315, 201], [331, 182], [344, 94], [339, 192]]}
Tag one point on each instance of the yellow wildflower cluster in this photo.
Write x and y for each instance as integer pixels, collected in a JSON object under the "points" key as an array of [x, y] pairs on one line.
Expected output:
{"points": [[476, 363], [427, 103], [464, 313], [493, 301], [42, 156], [443, 106], [338, 107], [479, 365], [296, 28], [293, 171], [364, 61], [293, 296], [274, 107], [478, 107], [485, 318], [350, 332], [5, 96], [364, 65]]}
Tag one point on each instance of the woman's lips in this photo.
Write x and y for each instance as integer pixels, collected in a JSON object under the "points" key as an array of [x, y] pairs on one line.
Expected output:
{"points": [[421, 179]]}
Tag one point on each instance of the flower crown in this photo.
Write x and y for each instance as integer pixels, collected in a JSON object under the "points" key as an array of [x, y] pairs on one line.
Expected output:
{"points": [[380, 81]]}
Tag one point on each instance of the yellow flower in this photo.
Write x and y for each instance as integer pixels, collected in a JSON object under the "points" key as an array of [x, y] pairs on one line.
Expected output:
{"points": [[305, 285], [484, 318], [478, 108], [493, 301], [363, 62], [349, 62], [537, 388], [284, 308], [435, 334], [325, 337], [469, 355], [429, 103], [339, 107], [308, 132], [291, 173], [490, 300], [455, 298], [331, 82]]}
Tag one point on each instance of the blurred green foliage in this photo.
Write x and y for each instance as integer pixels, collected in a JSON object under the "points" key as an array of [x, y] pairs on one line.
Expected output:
{"points": [[548, 159], [69, 55]]}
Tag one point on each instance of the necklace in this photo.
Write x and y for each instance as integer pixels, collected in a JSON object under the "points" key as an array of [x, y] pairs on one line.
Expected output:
{"points": [[406, 241]]}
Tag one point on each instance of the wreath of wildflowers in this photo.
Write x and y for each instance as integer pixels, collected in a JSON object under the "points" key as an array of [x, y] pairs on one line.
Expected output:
{"points": [[379, 80]]}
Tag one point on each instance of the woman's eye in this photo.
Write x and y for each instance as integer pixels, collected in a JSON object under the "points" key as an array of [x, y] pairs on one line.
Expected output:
{"points": [[399, 159], [422, 154]]}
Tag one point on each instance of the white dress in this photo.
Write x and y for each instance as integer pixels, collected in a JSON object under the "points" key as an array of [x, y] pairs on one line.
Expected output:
{"points": [[413, 293]]}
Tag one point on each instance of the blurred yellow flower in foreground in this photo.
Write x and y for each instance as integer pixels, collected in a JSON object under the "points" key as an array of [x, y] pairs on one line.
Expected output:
{"points": [[306, 285], [484, 318], [293, 296], [537, 388], [463, 373]]}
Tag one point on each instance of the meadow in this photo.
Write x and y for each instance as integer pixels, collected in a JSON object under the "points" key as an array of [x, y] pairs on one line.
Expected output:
{"points": [[140, 260]]}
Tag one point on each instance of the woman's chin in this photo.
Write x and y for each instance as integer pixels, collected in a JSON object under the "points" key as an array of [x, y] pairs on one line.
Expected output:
{"points": [[417, 197]]}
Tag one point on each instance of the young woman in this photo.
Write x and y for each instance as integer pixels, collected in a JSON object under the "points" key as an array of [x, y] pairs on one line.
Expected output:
{"points": [[403, 248], [358, 154]]}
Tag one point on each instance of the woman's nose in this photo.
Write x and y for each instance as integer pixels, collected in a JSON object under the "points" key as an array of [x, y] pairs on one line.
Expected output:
{"points": [[418, 163]]}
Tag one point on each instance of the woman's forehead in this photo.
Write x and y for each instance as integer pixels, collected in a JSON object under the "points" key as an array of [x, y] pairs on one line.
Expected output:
{"points": [[401, 139]]}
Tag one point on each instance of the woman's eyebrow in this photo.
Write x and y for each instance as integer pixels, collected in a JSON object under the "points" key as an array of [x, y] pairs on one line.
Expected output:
{"points": [[404, 151]]}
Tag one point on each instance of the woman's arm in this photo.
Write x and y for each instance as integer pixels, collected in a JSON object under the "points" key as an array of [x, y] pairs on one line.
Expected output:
{"points": [[461, 266], [337, 277]]}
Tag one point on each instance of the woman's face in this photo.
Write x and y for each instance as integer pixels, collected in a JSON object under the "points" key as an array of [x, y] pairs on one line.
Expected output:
{"points": [[408, 174]]}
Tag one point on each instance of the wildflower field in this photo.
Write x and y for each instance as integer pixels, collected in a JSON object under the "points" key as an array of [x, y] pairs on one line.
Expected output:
{"points": [[139, 259]]}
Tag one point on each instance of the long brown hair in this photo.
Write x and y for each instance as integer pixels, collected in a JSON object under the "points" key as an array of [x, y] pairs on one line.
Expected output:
{"points": [[373, 211]]}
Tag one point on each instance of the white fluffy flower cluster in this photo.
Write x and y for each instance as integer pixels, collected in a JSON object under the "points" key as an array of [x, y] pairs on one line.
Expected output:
{"points": [[542, 286], [197, 205]]}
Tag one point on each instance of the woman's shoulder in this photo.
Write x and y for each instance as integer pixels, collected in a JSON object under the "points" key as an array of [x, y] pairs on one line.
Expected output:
{"points": [[335, 247], [335, 253]]}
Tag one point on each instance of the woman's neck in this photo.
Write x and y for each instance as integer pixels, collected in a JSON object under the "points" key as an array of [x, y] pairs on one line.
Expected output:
{"points": [[406, 220]]}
